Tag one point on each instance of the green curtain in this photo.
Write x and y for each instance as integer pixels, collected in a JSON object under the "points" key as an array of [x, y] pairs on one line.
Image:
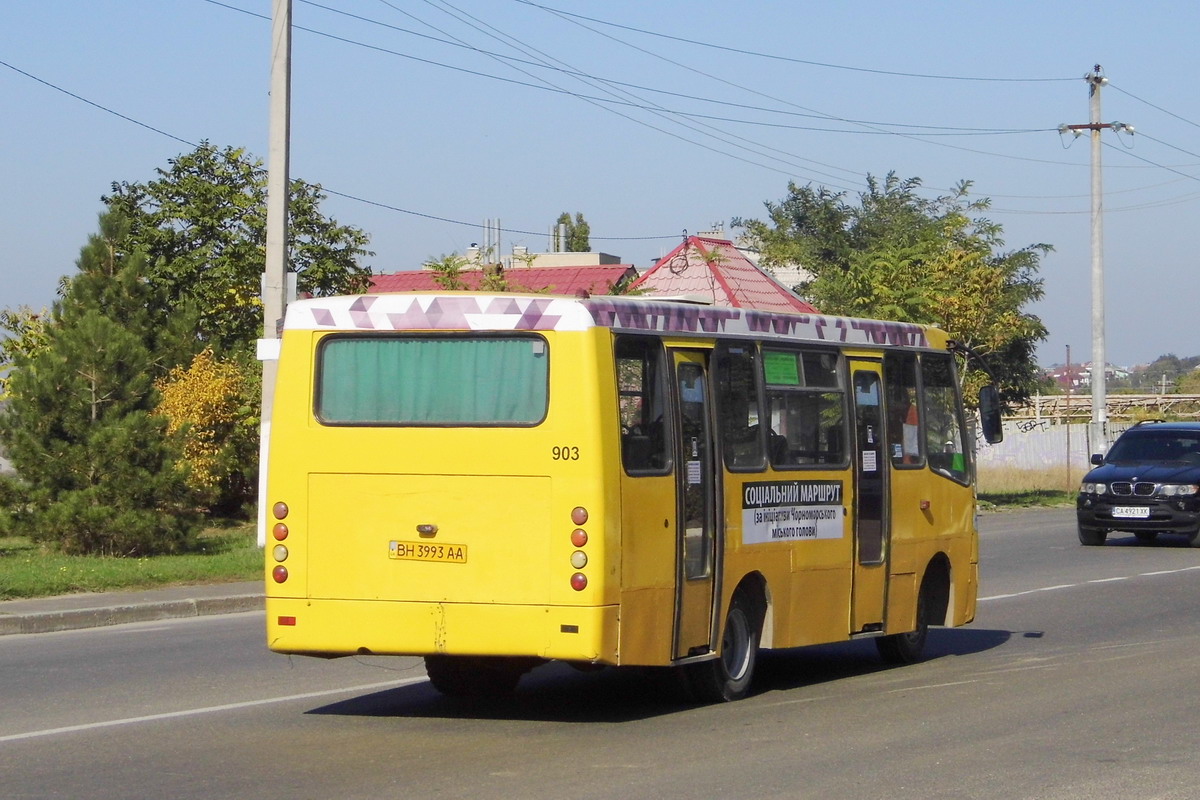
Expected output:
{"points": [[438, 381]]}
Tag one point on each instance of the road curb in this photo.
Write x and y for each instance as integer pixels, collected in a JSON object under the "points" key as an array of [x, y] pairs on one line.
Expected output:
{"points": [[72, 619]]}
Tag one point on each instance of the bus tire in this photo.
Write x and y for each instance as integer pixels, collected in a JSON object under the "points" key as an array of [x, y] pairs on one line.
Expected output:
{"points": [[907, 648], [466, 676], [727, 677]]}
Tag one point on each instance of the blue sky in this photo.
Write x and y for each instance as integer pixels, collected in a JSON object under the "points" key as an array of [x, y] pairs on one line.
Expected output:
{"points": [[445, 111]]}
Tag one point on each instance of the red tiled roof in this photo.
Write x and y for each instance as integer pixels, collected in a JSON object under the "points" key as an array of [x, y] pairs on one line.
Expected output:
{"points": [[557, 280], [715, 270]]}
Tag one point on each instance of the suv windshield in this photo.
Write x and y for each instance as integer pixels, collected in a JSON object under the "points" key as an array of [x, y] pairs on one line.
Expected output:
{"points": [[1157, 446]]}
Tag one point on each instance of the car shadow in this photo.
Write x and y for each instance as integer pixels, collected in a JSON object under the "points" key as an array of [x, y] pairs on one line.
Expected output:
{"points": [[560, 693], [1118, 539]]}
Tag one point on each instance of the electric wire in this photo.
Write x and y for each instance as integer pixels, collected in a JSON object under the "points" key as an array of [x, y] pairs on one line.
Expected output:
{"points": [[319, 187], [776, 57]]}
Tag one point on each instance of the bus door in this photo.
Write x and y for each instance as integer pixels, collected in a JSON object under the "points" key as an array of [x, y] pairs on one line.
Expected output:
{"points": [[696, 498], [871, 502]]}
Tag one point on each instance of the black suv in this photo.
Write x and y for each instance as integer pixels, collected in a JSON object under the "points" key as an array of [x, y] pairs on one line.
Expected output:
{"points": [[1147, 484]]}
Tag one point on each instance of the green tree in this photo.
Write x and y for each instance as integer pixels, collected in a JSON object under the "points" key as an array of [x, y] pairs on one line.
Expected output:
{"points": [[80, 426], [577, 232], [202, 225], [448, 271], [896, 255], [24, 333]]}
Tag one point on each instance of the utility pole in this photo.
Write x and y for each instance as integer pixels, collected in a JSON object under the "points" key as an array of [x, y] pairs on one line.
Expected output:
{"points": [[1099, 427], [1068, 425], [274, 280]]}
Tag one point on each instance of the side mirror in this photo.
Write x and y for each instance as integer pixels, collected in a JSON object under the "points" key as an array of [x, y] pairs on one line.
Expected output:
{"points": [[989, 414], [1097, 459]]}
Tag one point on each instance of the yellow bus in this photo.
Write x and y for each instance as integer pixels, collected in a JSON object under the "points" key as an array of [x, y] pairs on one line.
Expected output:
{"points": [[492, 481]]}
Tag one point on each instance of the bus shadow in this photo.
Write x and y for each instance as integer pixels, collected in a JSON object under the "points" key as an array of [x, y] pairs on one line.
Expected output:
{"points": [[559, 693], [550, 693], [780, 670]]}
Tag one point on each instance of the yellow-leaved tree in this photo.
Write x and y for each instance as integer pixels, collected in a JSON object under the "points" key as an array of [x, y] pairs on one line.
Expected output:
{"points": [[212, 405]]}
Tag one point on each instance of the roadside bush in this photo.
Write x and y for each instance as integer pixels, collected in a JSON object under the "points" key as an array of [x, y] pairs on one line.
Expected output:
{"points": [[212, 405]]}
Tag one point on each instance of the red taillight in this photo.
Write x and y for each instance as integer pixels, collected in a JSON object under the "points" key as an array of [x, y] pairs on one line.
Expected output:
{"points": [[280, 531], [280, 510], [579, 581], [579, 537], [579, 515], [280, 573], [287, 621]]}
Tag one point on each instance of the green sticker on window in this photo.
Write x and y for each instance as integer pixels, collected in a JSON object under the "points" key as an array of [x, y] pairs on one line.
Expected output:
{"points": [[781, 368]]}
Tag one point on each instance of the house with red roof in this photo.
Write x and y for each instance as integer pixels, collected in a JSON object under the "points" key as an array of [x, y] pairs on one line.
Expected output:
{"points": [[714, 271], [554, 273]]}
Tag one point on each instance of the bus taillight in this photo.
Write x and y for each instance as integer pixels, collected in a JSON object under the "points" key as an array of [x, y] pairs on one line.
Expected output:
{"points": [[579, 581], [280, 510], [280, 573], [579, 537], [280, 531], [579, 515]]}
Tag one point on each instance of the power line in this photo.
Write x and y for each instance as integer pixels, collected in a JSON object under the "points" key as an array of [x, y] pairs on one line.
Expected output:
{"points": [[775, 57], [603, 102], [327, 190], [1157, 108], [96, 105]]}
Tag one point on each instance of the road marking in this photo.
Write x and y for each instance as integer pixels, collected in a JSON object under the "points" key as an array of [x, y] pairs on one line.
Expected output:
{"points": [[1084, 583], [930, 686], [16, 737]]}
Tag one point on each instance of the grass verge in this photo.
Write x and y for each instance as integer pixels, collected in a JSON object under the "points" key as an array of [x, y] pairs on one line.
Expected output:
{"points": [[227, 553], [1025, 498], [230, 552]]}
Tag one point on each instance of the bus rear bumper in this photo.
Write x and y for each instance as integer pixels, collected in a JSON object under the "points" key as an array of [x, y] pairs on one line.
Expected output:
{"points": [[333, 628]]}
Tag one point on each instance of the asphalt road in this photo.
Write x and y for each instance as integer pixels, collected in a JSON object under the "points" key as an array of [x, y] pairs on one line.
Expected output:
{"points": [[1077, 680]]}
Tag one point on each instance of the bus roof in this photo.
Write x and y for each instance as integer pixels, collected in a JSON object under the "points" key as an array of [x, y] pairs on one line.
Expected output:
{"points": [[473, 311]]}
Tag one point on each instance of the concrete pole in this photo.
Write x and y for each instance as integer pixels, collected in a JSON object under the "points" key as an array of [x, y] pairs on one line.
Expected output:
{"points": [[1099, 359], [274, 283]]}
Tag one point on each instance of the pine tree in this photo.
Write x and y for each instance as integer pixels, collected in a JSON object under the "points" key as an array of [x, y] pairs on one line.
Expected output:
{"points": [[80, 427]]}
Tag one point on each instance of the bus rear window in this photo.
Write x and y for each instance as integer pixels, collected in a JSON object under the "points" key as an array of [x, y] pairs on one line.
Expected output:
{"points": [[432, 380]]}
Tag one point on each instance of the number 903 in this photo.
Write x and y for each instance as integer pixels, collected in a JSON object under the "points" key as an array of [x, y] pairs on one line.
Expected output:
{"points": [[564, 453]]}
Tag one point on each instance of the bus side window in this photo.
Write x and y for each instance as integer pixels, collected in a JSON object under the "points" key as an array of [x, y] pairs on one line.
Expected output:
{"points": [[943, 426], [806, 408], [905, 445], [738, 407], [641, 399]]}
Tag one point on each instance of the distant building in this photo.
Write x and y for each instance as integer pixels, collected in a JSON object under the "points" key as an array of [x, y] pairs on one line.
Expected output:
{"points": [[716, 272], [555, 273], [790, 275], [1079, 376]]}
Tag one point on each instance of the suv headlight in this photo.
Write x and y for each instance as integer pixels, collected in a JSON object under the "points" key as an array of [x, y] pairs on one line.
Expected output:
{"points": [[1093, 488], [1178, 489]]}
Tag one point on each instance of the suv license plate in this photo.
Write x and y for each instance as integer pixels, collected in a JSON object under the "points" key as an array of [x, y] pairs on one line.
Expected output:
{"points": [[423, 551], [1131, 512]]}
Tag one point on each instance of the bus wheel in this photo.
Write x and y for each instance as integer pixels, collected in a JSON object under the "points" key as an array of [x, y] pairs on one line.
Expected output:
{"points": [[465, 676], [728, 676], [906, 648]]}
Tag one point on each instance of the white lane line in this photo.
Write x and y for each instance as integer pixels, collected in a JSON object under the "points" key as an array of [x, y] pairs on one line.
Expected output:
{"points": [[16, 737], [1169, 571], [1097, 580], [931, 686]]}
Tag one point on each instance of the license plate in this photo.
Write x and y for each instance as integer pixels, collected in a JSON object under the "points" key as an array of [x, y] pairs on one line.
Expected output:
{"points": [[424, 551], [1131, 512]]}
